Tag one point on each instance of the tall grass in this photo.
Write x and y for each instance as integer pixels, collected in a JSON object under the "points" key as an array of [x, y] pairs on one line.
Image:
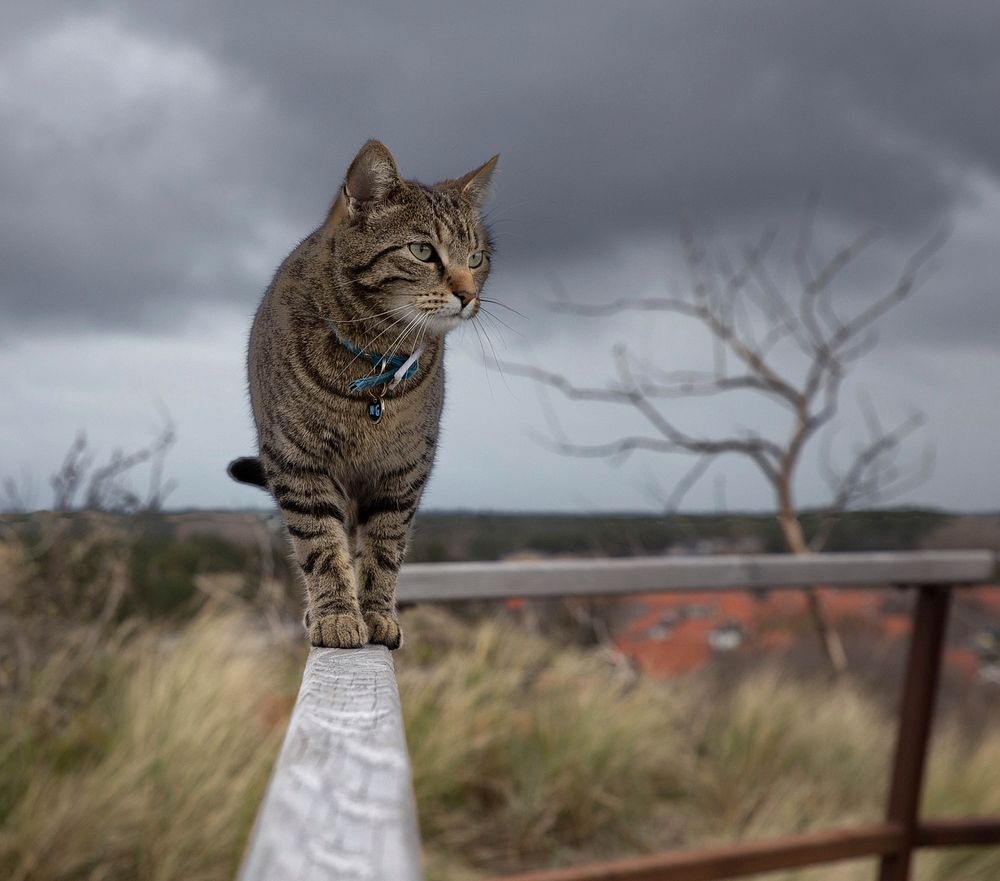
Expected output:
{"points": [[145, 756], [148, 760], [527, 754], [523, 751]]}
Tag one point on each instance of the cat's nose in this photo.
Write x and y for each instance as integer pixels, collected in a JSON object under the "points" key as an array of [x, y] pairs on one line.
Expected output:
{"points": [[462, 285]]}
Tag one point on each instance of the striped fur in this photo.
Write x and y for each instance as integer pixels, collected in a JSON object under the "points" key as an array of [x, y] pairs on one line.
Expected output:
{"points": [[348, 488]]}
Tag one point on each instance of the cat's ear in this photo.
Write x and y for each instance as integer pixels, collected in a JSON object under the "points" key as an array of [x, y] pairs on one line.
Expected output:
{"points": [[475, 185], [371, 177]]}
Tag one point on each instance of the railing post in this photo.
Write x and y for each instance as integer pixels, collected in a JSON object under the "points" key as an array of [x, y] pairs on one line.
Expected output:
{"points": [[915, 717], [340, 805]]}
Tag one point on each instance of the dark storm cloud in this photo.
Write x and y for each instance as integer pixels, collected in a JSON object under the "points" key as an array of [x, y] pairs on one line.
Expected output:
{"points": [[222, 130]]}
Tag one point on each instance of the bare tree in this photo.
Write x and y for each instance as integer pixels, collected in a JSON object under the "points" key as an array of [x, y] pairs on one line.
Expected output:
{"points": [[79, 483], [750, 319], [17, 494], [77, 566]]}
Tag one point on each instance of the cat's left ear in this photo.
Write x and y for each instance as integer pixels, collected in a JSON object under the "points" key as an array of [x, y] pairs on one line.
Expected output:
{"points": [[372, 175], [475, 185]]}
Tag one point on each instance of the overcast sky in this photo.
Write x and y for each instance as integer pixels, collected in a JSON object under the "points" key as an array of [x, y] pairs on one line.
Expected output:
{"points": [[159, 159]]}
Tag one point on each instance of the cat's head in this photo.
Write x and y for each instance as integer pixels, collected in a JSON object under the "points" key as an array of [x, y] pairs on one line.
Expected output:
{"points": [[415, 256]]}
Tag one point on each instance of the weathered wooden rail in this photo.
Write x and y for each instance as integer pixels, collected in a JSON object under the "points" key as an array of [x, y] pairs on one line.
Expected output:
{"points": [[340, 803]]}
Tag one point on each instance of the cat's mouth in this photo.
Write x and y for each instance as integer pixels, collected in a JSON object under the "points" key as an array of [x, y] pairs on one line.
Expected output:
{"points": [[444, 320]]}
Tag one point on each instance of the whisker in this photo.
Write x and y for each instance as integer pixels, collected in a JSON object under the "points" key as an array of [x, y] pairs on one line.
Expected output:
{"points": [[504, 305], [503, 339], [376, 314], [497, 318], [392, 349], [423, 330], [402, 336], [420, 338], [497, 360], [499, 328], [368, 345], [486, 368], [386, 330]]}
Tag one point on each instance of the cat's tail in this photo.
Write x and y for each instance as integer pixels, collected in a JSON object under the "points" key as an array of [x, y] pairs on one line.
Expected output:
{"points": [[247, 469]]}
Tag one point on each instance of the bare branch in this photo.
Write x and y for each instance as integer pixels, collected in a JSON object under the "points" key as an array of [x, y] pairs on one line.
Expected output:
{"points": [[711, 387], [67, 480], [803, 246], [861, 348], [17, 495], [655, 382], [868, 412], [617, 450], [562, 293], [753, 257], [158, 488], [683, 485], [785, 314], [562, 384], [723, 333], [903, 288], [670, 501], [738, 282], [871, 476], [762, 451], [821, 282], [631, 304]]}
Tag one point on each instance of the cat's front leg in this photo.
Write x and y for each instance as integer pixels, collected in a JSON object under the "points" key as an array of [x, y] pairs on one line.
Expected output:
{"points": [[316, 518], [384, 538]]}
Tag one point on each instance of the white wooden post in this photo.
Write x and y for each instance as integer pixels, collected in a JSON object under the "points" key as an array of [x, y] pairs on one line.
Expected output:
{"points": [[340, 803]]}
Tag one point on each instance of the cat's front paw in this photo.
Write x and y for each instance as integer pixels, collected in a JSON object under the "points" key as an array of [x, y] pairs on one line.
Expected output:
{"points": [[383, 629], [342, 630]]}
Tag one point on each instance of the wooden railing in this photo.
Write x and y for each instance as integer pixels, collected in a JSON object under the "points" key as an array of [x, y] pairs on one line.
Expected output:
{"points": [[340, 802]]}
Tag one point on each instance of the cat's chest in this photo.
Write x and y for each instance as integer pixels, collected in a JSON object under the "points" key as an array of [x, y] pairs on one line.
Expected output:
{"points": [[382, 423], [374, 432], [402, 441], [365, 428]]}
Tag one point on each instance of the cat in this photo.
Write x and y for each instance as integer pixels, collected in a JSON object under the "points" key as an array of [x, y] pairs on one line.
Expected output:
{"points": [[347, 381]]}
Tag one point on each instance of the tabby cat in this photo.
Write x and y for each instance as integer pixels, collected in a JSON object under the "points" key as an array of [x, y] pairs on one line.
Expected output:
{"points": [[347, 381]]}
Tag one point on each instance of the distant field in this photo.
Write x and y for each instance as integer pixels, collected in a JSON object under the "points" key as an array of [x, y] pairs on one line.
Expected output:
{"points": [[483, 535], [168, 565], [486, 536], [470, 535]]}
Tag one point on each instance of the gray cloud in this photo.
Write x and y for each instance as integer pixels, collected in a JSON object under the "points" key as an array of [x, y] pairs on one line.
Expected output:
{"points": [[159, 158], [166, 155]]}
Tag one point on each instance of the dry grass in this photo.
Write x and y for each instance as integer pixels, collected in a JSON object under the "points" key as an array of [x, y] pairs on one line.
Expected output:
{"points": [[148, 761], [145, 758], [528, 755], [523, 751]]}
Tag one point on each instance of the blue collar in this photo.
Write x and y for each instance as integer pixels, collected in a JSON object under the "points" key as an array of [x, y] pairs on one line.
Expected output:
{"points": [[390, 364]]}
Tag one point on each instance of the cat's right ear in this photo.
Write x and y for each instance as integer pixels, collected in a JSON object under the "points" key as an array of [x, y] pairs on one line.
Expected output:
{"points": [[476, 184], [371, 177]]}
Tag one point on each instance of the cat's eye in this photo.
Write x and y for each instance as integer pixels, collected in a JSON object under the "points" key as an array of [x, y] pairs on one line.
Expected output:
{"points": [[422, 251], [476, 260]]}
